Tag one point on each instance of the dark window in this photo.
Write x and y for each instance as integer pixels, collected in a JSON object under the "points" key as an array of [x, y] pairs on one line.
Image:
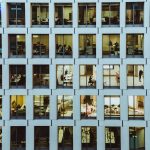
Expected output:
{"points": [[63, 45], [88, 76], [88, 107], [111, 45], [17, 107], [65, 138], [16, 45], [135, 76], [40, 45], [136, 138], [41, 107], [112, 107], [16, 14], [134, 13], [136, 107], [41, 138], [110, 14], [63, 15], [135, 45], [17, 76], [40, 14], [112, 138], [18, 138], [64, 76], [87, 14], [87, 45], [65, 107], [88, 138], [111, 76], [40, 76]]}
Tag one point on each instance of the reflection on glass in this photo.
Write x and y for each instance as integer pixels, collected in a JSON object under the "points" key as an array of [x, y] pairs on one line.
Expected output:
{"points": [[18, 107], [65, 138], [87, 14], [65, 107], [0, 107], [41, 76], [110, 14], [112, 107], [40, 45], [135, 45], [16, 14], [89, 138], [41, 107], [88, 76], [135, 76], [64, 75], [63, 45], [17, 76], [41, 138], [88, 107], [87, 45], [40, 14], [111, 45], [136, 138], [0, 76], [134, 13], [18, 138], [136, 107], [16, 45], [0, 45], [111, 76], [63, 14], [112, 138]]}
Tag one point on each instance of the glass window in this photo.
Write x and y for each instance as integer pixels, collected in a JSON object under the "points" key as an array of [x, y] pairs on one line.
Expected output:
{"points": [[88, 138], [112, 138], [0, 76], [65, 138], [63, 15], [16, 14], [0, 45], [64, 76], [134, 13], [88, 76], [135, 76], [1, 138], [18, 107], [0, 107], [136, 138], [112, 107], [40, 14], [65, 107], [40, 76], [111, 76], [87, 14], [136, 107], [135, 45], [16, 45], [40, 45], [110, 14], [41, 106], [111, 45], [63, 45], [87, 45], [41, 138], [18, 138], [17, 76], [88, 107]]}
